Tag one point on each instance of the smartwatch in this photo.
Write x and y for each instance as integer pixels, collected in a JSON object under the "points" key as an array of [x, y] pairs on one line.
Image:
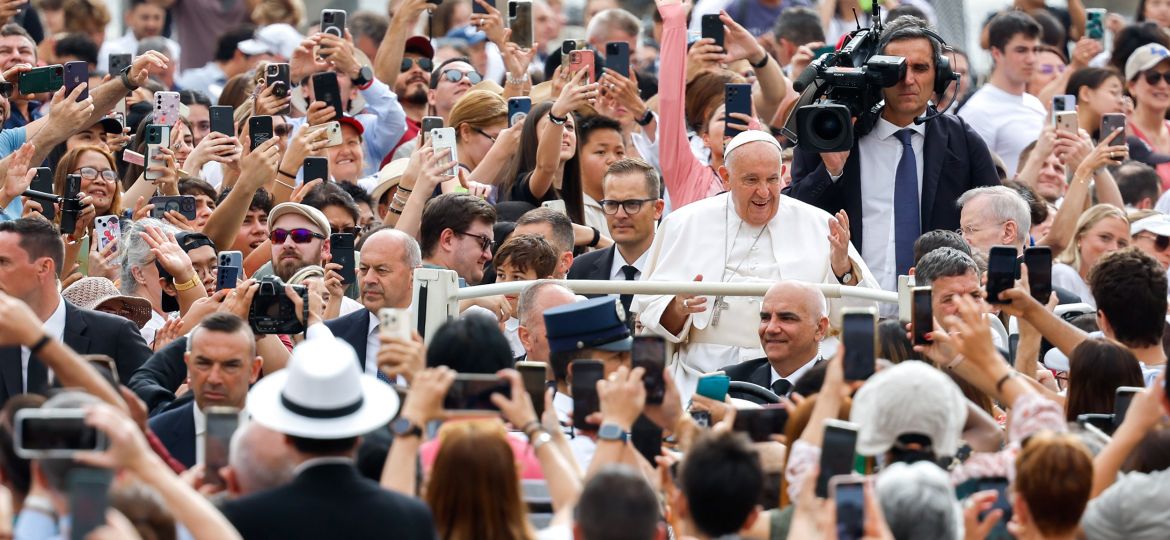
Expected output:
{"points": [[364, 77], [403, 427], [612, 432]]}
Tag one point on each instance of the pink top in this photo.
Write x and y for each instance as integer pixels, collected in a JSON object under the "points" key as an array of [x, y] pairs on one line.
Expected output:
{"points": [[1164, 168], [526, 460], [687, 179]]}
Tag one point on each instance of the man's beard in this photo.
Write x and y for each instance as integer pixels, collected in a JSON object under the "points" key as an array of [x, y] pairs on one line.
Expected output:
{"points": [[285, 268], [415, 98]]}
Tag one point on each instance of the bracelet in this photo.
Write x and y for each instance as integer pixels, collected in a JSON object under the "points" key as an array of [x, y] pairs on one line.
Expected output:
{"points": [[290, 186], [186, 285], [282, 173], [762, 63], [957, 360], [1004, 379], [40, 344], [394, 211], [646, 118], [530, 428], [557, 120], [404, 189], [509, 79], [596, 237]]}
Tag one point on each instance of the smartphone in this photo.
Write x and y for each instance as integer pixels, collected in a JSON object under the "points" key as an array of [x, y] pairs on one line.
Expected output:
{"points": [[520, 21], [341, 252], [395, 322], [534, 375], [226, 277], [617, 57], [837, 452], [118, 62], [221, 424], [41, 79], [473, 392], [183, 204], [1095, 23], [761, 423], [76, 74], [89, 498], [54, 433], [848, 494], [583, 60], [429, 124], [1121, 403], [518, 109], [585, 373], [43, 182], [713, 386], [332, 133], [646, 437], [1002, 267], [315, 167], [649, 353], [557, 205], [276, 76], [1112, 122], [333, 22], [476, 8], [223, 119], [259, 130], [445, 138], [1101, 421], [1003, 502], [921, 315], [1039, 261], [1066, 121], [712, 27], [106, 366], [231, 258], [1064, 103], [858, 330], [107, 229], [71, 205], [737, 99], [166, 108], [325, 89], [157, 136]]}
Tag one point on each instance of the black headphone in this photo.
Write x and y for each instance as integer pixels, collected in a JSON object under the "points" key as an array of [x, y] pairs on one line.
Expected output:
{"points": [[944, 74]]}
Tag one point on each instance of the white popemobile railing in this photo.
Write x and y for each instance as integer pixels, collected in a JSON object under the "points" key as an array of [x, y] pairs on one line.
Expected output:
{"points": [[437, 293]]}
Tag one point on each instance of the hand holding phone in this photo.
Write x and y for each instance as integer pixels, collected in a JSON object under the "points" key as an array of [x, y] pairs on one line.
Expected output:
{"points": [[649, 353]]}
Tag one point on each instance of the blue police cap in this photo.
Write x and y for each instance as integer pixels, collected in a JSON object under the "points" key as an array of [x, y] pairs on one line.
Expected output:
{"points": [[598, 323]]}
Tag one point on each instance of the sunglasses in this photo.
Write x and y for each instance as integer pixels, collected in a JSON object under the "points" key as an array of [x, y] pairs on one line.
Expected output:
{"points": [[1049, 69], [1152, 77], [1161, 243], [90, 173], [299, 236], [454, 75], [424, 64]]}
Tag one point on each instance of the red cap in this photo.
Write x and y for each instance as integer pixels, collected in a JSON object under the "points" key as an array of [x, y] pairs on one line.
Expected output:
{"points": [[353, 123]]}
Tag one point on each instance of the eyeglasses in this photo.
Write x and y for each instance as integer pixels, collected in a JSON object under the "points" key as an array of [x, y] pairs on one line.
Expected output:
{"points": [[484, 133], [1161, 243], [1152, 77], [631, 206], [299, 236], [90, 173], [485, 243], [424, 64], [971, 229], [1049, 69], [454, 75]]}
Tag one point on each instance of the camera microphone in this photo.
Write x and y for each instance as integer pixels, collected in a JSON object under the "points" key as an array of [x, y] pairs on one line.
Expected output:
{"points": [[807, 76]]}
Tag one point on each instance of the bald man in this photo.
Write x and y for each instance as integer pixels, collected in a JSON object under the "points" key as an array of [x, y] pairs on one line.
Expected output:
{"points": [[259, 460], [794, 318]]}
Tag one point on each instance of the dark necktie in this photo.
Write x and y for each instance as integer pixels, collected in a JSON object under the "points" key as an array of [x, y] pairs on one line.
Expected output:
{"points": [[629, 272], [907, 220], [781, 387]]}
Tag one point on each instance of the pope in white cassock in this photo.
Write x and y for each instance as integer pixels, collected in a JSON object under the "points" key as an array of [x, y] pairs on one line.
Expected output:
{"points": [[752, 233]]}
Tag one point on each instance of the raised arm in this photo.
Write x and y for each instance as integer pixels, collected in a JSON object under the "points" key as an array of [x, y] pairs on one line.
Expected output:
{"points": [[388, 59], [257, 168]]}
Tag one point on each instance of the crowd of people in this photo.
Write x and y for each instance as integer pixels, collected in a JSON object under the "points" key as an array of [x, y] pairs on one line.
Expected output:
{"points": [[210, 229]]}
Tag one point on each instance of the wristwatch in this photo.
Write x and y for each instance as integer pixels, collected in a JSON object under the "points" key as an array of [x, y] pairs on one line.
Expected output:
{"points": [[612, 432], [364, 77], [646, 118], [403, 427], [846, 277]]}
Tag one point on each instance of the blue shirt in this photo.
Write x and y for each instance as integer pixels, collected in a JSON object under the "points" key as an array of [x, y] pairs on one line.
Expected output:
{"points": [[15, 119], [10, 141]]}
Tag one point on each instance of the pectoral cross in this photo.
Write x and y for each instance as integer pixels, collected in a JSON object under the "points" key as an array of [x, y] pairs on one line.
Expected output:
{"points": [[718, 308]]}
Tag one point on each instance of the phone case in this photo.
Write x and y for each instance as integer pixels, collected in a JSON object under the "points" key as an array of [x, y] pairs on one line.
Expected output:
{"points": [[429, 124], [1111, 122], [583, 60], [118, 62], [617, 57], [333, 133], [166, 108], [712, 27], [520, 21], [259, 130], [395, 322], [223, 119], [738, 99], [183, 204], [333, 22], [277, 77], [157, 136], [1067, 121], [713, 386], [1095, 23], [314, 168], [226, 277], [445, 138], [231, 258], [518, 109], [1064, 103], [341, 252], [325, 89], [75, 74], [107, 229], [42, 79], [476, 8]]}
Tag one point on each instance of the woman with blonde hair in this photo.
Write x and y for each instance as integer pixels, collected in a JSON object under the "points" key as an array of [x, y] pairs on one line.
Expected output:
{"points": [[290, 12], [1100, 230], [480, 119]]}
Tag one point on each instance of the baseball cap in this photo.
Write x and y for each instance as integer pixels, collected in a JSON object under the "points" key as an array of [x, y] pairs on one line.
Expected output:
{"points": [[1140, 151], [352, 122], [909, 398], [1143, 58], [1158, 224], [310, 213], [420, 45]]}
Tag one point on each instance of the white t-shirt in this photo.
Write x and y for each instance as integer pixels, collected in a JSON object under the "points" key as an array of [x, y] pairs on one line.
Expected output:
{"points": [[1066, 277], [1006, 122]]}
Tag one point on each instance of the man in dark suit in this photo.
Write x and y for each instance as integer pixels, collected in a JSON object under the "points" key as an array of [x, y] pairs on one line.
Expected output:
{"points": [[221, 365], [913, 172], [794, 320], [323, 404], [632, 208], [31, 255]]}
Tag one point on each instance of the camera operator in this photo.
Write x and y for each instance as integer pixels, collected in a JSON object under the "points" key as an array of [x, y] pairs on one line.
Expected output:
{"points": [[901, 198]]}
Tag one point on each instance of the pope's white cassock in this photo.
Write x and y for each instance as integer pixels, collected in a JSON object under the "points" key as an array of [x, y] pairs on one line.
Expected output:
{"points": [[708, 238]]}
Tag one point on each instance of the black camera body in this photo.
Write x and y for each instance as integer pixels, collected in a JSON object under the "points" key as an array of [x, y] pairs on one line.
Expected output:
{"points": [[70, 207], [273, 312], [840, 86]]}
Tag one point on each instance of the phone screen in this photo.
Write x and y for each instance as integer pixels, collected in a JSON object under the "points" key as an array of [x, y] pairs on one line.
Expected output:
{"points": [[65, 433], [341, 252], [857, 330], [760, 424], [922, 315], [89, 498], [650, 355], [837, 454], [1001, 272], [221, 424], [1121, 403], [534, 374], [585, 373], [850, 500], [1003, 502], [1039, 261], [473, 392]]}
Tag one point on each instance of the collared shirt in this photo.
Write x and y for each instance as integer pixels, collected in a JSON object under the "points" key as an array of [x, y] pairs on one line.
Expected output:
{"points": [[795, 376], [324, 460], [55, 328], [619, 261], [880, 153]]}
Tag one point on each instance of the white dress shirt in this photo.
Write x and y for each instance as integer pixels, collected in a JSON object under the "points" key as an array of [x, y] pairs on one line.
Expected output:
{"points": [[795, 376], [619, 261], [55, 328], [880, 153]]}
